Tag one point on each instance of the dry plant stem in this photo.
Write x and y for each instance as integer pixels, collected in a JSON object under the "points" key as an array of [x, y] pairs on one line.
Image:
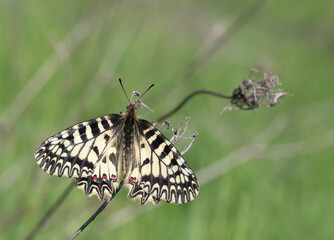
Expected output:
{"points": [[177, 134], [195, 134], [104, 204], [187, 98], [51, 210], [184, 129], [165, 123], [98, 211]]}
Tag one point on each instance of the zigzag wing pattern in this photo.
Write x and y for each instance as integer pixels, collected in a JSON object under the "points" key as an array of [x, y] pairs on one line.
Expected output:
{"points": [[87, 151], [160, 172]]}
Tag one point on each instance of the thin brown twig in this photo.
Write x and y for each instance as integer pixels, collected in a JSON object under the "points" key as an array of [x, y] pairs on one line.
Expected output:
{"points": [[97, 212], [187, 98]]}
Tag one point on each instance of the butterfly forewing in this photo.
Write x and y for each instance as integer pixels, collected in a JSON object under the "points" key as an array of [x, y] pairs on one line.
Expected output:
{"points": [[161, 172], [87, 151]]}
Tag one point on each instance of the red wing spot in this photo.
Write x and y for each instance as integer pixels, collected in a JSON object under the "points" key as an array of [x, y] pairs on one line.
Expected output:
{"points": [[113, 177], [132, 179], [104, 176], [95, 177]]}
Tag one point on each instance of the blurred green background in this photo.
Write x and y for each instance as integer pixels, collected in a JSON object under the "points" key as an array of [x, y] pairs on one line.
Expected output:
{"points": [[266, 174]]}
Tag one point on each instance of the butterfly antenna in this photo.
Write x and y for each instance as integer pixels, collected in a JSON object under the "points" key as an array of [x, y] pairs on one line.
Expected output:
{"points": [[120, 82], [145, 92]]}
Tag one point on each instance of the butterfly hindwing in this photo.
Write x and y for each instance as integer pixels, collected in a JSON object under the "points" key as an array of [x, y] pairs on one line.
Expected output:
{"points": [[104, 180], [161, 172], [87, 151]]}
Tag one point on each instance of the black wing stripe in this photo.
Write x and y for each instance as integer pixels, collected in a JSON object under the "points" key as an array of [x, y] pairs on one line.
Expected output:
{"points": [[94, 128], [82, 131]]}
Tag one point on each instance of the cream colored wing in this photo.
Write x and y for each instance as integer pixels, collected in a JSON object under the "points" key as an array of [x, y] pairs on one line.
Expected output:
{"points": [[88, 151], [159, 171]]}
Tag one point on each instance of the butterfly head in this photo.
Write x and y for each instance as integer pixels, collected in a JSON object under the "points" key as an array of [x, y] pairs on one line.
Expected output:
{"points": [[131, 108], [131, 112]]}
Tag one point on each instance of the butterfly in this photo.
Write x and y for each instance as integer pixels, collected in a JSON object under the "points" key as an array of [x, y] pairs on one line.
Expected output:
{"points": [[105, 152]]}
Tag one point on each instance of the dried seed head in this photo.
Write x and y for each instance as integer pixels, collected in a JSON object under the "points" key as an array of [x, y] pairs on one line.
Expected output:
{"points": [[253, 94]]}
